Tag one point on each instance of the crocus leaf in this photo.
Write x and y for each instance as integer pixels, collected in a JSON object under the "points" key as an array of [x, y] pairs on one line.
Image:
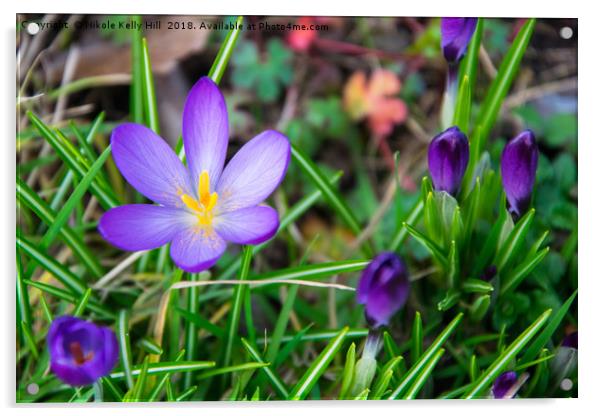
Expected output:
{"points": [[462, 111], [498, 366], [423, 375], [430, 245], [522, 270], [348, 372], [273, 378], [479, 307], [318, 367], [514, 242], [477, 286], [504, 78]]}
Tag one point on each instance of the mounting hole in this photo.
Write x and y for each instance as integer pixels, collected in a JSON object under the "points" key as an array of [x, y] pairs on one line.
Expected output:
{"points": [[566, 384], [566, 32], [33, 28], [33, 388]]}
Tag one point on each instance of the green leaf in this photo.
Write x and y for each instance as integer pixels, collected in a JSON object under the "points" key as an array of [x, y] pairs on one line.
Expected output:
{"points": [[237, 301], [150, 346], [479, 307], [149, 100], [28, 197], [402, 233], [423, 375], [429, 244], [384, 379], [330, 194], [73, 160], [314, 271], [123, 336], [518, 274], [497, 367], [166, 368], [191, 331], [503, 80], [281, 324], [136, 110], [416, 349], [425, 360], [232, 369], [83, 303], [513, 244], [69, 297], [274, 380], [539, 343], [477, 286], [318, 367], [348, 372], [452, 296], [462, 111], [62, 274]]}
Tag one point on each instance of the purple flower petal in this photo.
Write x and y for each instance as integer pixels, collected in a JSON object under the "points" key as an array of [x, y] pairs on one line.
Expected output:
{"points": [[503, 384], [149, 164], [254, 172], [143, 226], [252, 225], [518, 167], [196, 249], [80, 351], [447, 159], [456, 33], [571, 340], [383, 288], [205, 130]]}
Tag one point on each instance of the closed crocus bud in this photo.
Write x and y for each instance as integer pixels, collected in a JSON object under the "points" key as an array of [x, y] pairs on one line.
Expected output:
{"points": [[456, 33], [80, 351], [570, 341], [518, 166], [383, 288], [504, 384], [448, 159]]}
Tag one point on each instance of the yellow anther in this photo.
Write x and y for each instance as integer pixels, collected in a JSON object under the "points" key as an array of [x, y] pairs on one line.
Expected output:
{"points": [[202, 207]]}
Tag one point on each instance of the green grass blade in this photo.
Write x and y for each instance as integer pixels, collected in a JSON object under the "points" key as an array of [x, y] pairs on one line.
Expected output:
{"points": [[149, 100], [542, 339], [514, 242], [277, 384], [430, 352], [63, 215], [136, 110], [69, 297], [348, 372], [73, 160], [191, 334], [416, 349], [331, 195], [495, 369], [411, 219], [29, 339], [237, 303], [281, 324], [516, 276], [504, 78], [429, 244], [314, 271], [423, 375], [64, 275], [166, 368], [83, 303], [31, 199], [318, 367], [232, 369], [462, 111], [123, 337], [225, 52]]}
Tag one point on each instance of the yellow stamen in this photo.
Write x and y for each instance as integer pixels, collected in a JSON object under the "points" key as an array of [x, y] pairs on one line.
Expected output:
{"points": [[202, 207]]}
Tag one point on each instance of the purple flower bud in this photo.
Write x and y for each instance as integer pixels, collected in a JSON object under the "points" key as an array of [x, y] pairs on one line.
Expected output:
{"points": [[518, 167], [448, 159], [383, 288], [503, 384], [570, 340], [456, 33], [489, 273], [80, 351]]}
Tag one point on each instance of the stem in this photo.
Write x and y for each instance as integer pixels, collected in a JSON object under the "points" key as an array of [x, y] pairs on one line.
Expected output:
{"points": [[449, 96], [98, 393], [366, 366]]}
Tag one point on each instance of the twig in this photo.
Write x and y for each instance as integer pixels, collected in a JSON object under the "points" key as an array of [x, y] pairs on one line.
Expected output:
{"points": [[487, 63], [118, 269], [530, 94]]}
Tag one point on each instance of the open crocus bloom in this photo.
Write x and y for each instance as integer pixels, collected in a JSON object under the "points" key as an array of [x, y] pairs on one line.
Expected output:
{"points": [[203, 207]]}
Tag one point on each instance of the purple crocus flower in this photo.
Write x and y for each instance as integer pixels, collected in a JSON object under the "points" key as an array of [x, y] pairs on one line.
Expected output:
{"points": [[383, 288], [80, 351], [448, 159], [204, 206], [503, 384], [518, 167], [456, 33]]}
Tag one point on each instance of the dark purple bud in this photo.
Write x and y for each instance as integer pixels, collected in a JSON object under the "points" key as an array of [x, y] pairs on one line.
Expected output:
{"points": [[456, 33], [570, 340], [518, 166], [448, 159], [80, 351], [383, 288], [503, 384]]}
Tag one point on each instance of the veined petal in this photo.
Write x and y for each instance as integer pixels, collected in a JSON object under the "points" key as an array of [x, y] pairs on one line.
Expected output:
{"points": [[196, 249], [149, 164], [252, 225], [205, 130], [254, 172], [143, 226]]}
